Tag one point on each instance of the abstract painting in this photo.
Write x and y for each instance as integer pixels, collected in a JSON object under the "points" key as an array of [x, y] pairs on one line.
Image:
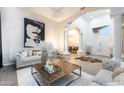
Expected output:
{"points": [[34, 32]]}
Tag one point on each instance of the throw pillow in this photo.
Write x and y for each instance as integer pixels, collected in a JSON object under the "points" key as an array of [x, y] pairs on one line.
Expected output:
{"points": [[103, 76], [24, 54], [29, 52], [119, 78], [117, 71]]}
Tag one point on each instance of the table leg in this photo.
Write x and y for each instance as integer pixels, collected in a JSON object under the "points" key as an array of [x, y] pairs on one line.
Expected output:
{"points": [[79, 75], [34, 76], [80, 71], [31, 70]]}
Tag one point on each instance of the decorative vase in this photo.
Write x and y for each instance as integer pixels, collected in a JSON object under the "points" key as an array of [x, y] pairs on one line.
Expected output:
{"points": [[44, 57]]}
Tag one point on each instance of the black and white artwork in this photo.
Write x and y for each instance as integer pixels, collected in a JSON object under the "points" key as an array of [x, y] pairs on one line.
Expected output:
{"points": [[34, 32]]}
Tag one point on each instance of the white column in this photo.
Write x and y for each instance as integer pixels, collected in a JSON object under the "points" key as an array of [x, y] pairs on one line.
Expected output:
{"points": [[66, 42], [80, 42], [117, 44]]}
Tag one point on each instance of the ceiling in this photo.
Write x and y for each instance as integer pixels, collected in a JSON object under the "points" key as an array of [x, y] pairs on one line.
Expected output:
{"points": [[55, 13], [91, 15]]}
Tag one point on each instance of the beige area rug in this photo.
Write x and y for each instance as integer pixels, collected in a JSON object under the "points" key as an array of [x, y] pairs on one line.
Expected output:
{"points": [[25, 79]]}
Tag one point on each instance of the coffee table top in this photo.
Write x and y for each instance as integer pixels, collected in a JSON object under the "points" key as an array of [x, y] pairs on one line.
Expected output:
{"points": [[66, 68]]}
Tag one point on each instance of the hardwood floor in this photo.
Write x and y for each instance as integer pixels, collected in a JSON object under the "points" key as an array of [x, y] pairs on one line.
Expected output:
{"points": [[8, 76]]}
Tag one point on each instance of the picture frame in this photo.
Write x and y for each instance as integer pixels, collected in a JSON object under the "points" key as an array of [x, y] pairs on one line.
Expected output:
{"points": [[34, 32]]}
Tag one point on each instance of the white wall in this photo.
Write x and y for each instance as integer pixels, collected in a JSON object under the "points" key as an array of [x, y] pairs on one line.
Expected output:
{"points": [[88, 36], [83, 26], [13, 31], [105, 41]]}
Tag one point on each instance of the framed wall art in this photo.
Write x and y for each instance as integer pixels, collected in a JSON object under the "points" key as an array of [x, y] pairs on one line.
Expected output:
{"points": [[34, 32]]}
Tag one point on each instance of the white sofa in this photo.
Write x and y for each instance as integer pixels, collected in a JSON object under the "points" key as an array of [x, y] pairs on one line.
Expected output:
{"points": [[28, 56], [24, 59]]}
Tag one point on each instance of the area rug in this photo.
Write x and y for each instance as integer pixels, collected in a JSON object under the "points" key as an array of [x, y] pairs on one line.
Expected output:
{"points": [[25, 79], [89, 59]]}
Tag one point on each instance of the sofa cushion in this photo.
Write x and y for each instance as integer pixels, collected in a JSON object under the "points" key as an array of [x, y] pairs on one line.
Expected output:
{"points": [[31, 58], [103, 76]]}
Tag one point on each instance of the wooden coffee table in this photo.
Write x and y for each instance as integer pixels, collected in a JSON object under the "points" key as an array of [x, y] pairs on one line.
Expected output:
{"points": [[66, 68]]}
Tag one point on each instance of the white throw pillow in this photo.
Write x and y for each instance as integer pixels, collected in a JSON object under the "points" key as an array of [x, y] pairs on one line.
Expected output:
{"points": [[117, 71], [24, 54], [103, 76], [119, 78], [29, 52]]}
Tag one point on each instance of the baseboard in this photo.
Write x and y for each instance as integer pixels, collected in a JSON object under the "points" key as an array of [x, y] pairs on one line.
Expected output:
{"points": [[100, 55], [8, 64]]}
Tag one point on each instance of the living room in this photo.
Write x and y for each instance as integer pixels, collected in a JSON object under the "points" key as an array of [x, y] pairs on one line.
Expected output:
{"points": [[95, 40]]}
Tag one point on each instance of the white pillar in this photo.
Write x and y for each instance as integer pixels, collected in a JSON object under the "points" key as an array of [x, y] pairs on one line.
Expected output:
{"points": [[80, 42], [117, 44], [66, 41]]}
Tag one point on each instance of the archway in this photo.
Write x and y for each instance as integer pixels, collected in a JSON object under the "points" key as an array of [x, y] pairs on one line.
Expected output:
{"points": [[74, 40]]}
